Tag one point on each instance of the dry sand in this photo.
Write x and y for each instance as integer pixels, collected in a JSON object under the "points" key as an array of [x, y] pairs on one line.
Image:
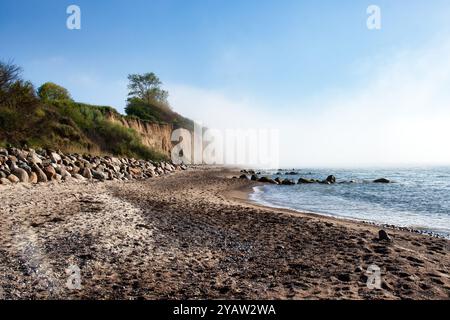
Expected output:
{"points": [[194, 235]]}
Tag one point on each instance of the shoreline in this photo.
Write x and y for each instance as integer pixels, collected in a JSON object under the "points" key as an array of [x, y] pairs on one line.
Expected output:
{"points": [[247, 192], [191, 235]]}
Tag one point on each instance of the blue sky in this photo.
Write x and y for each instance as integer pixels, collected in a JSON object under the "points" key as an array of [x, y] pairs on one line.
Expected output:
{"points": [[274, 57]]}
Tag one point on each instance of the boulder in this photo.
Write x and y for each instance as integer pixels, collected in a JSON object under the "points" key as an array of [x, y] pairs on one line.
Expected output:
{"points": [[287, 182], [87, 173], [267, 180], [21, 174], [383, 236], [305, 181], [50, 172], [135, 171], [382, 180], [65, 174], [13, 178], [98, 175], [244, 177], [331, 179], [56, 158], [41, 176], [33, 158], [254, 177], [33, 178]]}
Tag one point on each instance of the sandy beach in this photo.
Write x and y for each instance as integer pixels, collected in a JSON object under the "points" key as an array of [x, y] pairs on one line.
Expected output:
{"points": [[194, 235]]}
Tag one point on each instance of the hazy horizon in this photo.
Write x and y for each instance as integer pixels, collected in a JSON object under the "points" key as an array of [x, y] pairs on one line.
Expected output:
{"points": [[339, 94]]}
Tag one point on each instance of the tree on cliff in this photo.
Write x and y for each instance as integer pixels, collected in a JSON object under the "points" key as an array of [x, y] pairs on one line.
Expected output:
{"points": [[50, 91], [147, 87]]}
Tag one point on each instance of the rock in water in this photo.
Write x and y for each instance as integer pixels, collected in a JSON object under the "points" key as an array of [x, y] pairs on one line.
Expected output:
{"points": [[244, 177], [267, 180], [331, 179], [287, 182], [383, 236], [382, 180], [254, 178], [305, 181]]}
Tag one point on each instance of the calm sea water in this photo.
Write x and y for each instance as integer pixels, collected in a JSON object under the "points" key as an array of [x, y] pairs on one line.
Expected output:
{"points": [[418, 198]]}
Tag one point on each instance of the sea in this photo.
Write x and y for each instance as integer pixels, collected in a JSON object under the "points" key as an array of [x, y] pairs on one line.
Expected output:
{"points": [[417, 198]]}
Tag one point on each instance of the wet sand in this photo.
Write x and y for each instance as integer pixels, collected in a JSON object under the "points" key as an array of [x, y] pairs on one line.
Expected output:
{"points": [[194, 235]]}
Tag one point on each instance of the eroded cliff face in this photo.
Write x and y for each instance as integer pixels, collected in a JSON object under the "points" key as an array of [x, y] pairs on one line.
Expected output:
{"points": [[154, 135]]}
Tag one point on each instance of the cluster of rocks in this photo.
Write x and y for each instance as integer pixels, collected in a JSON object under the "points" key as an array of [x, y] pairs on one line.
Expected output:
{"points": [[286, 182], [36, 166], [252, 175]]}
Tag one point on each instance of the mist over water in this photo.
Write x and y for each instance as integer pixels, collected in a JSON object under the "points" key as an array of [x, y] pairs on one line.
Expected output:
{"points": [[418, 198]]}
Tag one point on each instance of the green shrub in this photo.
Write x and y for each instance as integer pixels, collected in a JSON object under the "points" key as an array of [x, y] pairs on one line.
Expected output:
{"points": [[50, 91]]}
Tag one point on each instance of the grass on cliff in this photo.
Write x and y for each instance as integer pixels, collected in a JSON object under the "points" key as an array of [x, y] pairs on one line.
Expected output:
{"points": [[27, 120], [106, 135], [72, 127], [138, 109]]}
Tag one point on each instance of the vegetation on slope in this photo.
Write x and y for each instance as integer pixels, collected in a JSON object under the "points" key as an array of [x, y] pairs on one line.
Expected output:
{"points": [[148, 101], [51, 119]]}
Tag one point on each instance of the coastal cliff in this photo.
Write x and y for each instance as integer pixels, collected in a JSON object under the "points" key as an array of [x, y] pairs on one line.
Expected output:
{"points": [[153, 135]]}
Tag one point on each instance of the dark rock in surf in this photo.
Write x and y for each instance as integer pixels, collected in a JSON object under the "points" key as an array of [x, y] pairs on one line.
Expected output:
{"points": [[305, 181], [331, 179], [287, 182], [382, 180]]}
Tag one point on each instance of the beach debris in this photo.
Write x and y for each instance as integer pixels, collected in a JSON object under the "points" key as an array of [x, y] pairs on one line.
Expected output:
{"points": [[382, 180], [383, 236]]}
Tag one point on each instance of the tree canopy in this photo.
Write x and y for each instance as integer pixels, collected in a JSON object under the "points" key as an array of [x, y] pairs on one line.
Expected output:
{"points": [[147, 87], [51, 91]]}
